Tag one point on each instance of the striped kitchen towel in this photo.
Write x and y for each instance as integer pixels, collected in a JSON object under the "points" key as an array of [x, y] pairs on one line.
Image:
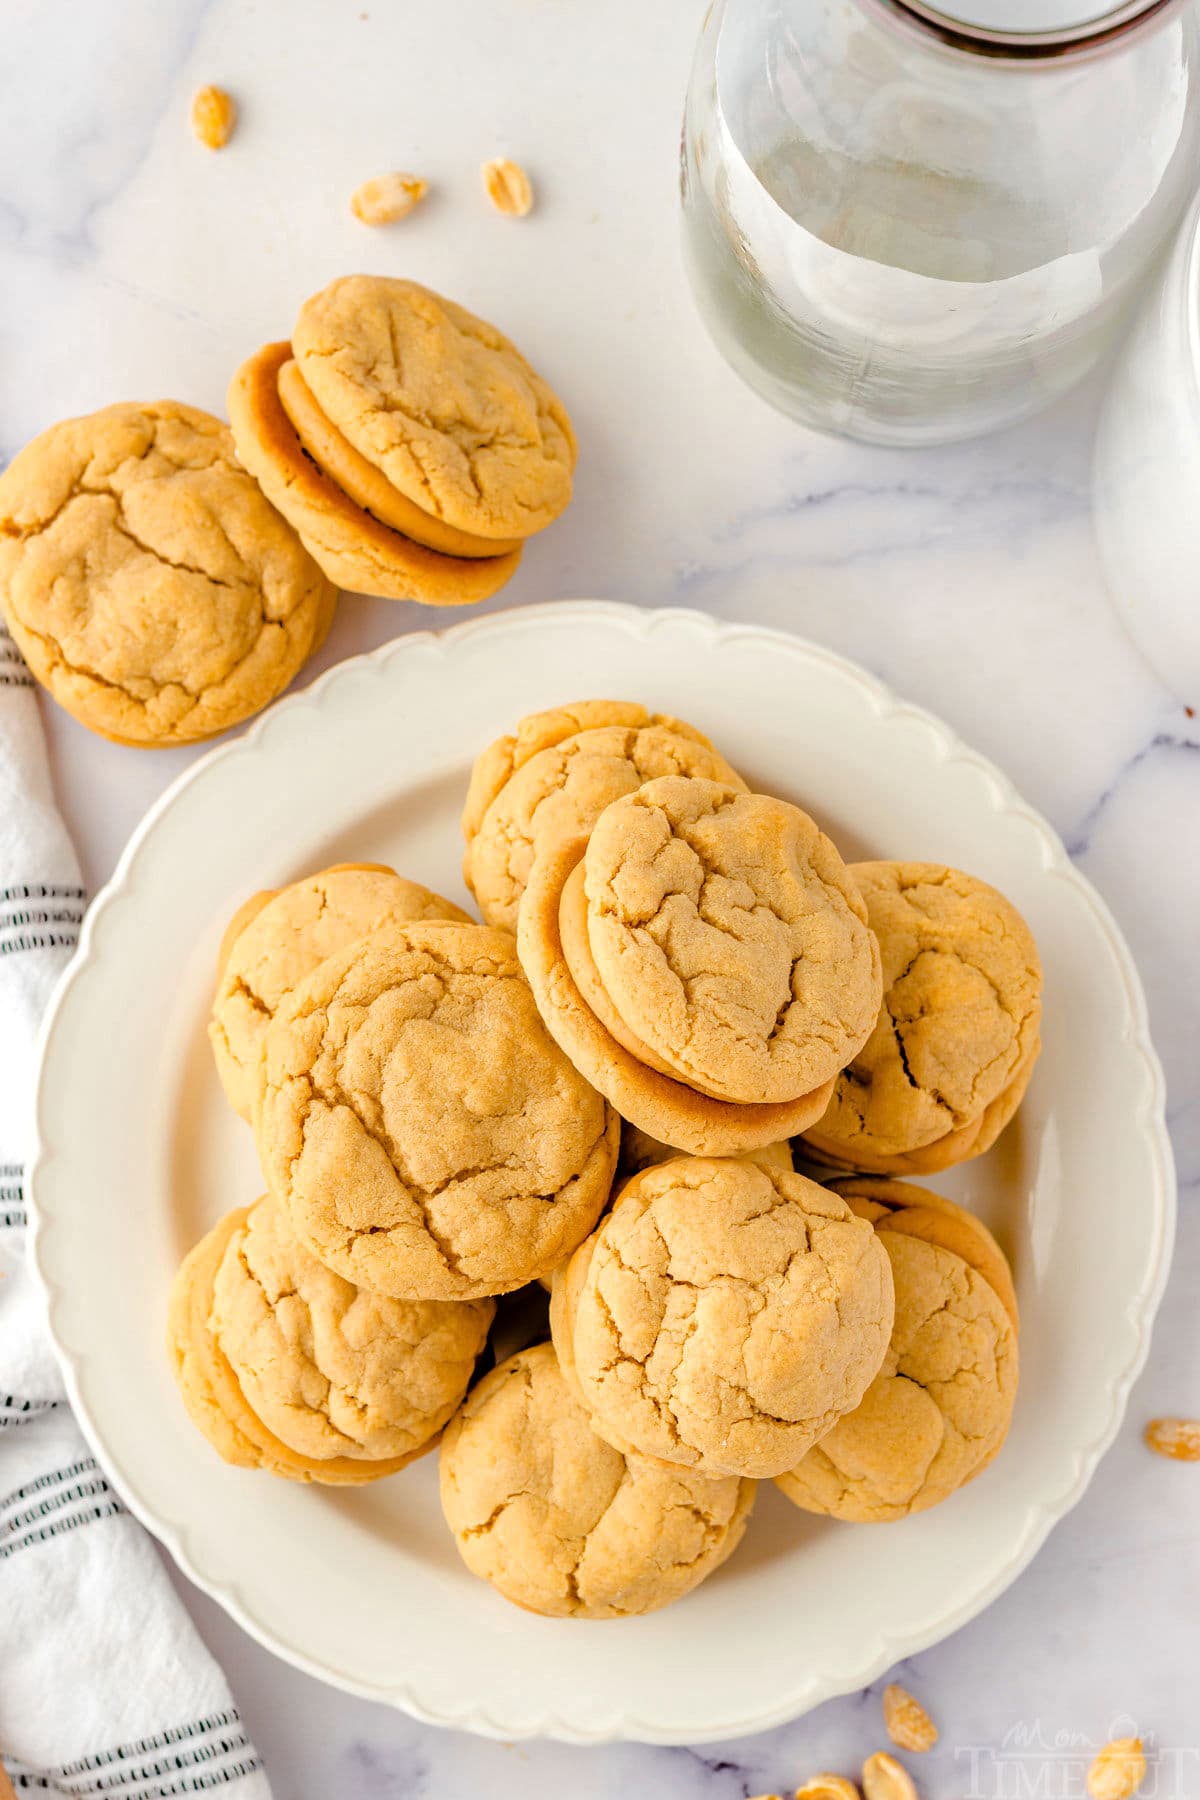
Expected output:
{"points": [[105, 1688]]}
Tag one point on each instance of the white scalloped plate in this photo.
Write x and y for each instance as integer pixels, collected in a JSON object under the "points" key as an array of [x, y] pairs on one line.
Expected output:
{"points": [[139, 1154]]}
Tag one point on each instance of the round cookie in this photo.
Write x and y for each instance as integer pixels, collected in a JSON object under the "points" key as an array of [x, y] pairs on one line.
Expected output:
{"points": [[938, 1411], [288, 1368], [724, 1316], [276, 939], [956, 1038], [425, 1133], [913, 1211], [970, 1140], [440, 402], [353, 547], [559, 793], [541, 731], [719, 937], [559, 1521], [641, 1151], [663, 1108], [364, 483], [149, 584]]}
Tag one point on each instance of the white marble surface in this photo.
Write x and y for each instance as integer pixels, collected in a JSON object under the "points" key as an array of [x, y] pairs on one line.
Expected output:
{"points": [[134, 264]]}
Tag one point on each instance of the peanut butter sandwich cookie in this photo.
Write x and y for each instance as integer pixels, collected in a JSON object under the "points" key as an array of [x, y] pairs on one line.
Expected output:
{"points": [[423, 1130], [355, 548], [562, 1523], [956, 1039], [724, 1316], [939, 1409], [557, 794], [704, 959], [406, 440], [277, 938], [149, 584], [287, 1367]]}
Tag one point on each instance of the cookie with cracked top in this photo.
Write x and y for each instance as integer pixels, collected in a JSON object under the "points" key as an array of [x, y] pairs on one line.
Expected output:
{"points": [[558, 794], [957, 1035], [939, 1409], [723, 1316], [497, 765], [353, 546], [440, 402], [424, 1132], [277, 938], [662, 1107], [719, 938], [285, 1366], [148, 582], [559, 1521]]}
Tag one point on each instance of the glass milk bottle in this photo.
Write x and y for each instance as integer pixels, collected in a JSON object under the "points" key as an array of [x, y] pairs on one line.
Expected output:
{"points": [[912, 225]]}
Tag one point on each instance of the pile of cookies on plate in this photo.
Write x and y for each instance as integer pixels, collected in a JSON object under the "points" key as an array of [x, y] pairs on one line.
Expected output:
{"points": [[678, 988], [165, 577]]}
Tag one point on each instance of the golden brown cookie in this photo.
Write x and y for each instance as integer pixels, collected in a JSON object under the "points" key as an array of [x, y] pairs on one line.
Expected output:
{"points": [[425, 1133], [663, 1108], [970, 1140], [440, 402], [938, 1411], [149, 585], [724, 1316], [352, 546], [641, 1151], [280, 938], [558, 794], [719, 938], [364, 483], [286, 1367], [541, 731], [559, 1521], [956, 1039], [918, 1212]]}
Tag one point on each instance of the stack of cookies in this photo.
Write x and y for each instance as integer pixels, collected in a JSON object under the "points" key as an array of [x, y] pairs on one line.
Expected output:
{"points": [[409, 443], [426, 1147], [163, 586], [679, 984]]}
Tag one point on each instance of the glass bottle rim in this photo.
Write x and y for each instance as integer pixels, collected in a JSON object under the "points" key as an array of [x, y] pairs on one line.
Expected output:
{"points": [[1064, 25]]}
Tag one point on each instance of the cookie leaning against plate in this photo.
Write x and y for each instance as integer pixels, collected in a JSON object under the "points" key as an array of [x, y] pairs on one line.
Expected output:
{"points": [[423, 1130], [284, 1366], [724, 1316], [277, 938], [559, 1521], [956, 1039], [939, 1409], [559, 793], [150, 586], [354, 548]]}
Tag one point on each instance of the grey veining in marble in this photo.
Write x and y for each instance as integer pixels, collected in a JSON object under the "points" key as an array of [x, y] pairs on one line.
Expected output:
{"points": [[135, 264]]}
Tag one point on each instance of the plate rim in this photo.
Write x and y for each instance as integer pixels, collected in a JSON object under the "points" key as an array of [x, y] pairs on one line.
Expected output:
{"points": [[886, 1649]]}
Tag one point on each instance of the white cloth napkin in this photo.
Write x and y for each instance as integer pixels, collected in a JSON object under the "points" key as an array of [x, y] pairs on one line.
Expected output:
{"points": [[105, 1688]]}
